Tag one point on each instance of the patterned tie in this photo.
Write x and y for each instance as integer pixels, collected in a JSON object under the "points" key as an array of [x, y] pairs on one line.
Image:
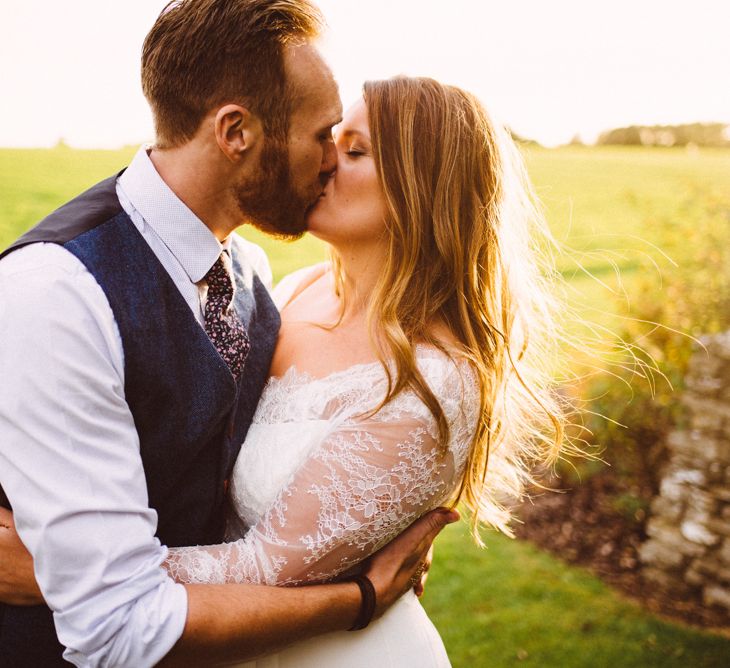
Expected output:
{"points": [[222, 324]]}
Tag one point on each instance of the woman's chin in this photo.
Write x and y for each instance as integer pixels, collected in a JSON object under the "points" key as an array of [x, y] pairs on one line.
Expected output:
{"points": [[315, 233], [315, 222]]}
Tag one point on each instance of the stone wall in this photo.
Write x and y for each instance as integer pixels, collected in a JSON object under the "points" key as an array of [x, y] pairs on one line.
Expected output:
{"points": [[688, 548]]}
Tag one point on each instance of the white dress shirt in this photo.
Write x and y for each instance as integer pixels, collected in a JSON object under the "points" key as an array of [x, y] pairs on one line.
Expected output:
{"points": [[69, 452]]}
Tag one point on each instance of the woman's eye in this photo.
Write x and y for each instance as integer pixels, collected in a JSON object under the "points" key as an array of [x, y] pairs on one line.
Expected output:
{"points": [[353, 152]]}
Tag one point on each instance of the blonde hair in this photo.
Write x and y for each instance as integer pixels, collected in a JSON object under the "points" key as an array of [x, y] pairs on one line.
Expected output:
{"points": [[462, 253]]}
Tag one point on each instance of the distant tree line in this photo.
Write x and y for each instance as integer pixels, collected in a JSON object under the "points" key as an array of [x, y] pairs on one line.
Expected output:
{"points": [[519, 139], [698, 134]]}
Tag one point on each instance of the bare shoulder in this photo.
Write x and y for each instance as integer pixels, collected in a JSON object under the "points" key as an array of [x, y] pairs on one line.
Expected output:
{"points": [[292, 285], [449, 346]]}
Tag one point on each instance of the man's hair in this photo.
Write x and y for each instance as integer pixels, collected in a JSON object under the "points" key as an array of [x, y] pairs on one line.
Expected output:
{"points": [[201, 54]]}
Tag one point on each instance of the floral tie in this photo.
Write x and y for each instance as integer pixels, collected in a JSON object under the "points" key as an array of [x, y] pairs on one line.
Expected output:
{"points": [[222, 324]]}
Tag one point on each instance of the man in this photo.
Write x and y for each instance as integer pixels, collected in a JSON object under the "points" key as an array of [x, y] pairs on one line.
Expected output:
{"points": [[126, 385]]}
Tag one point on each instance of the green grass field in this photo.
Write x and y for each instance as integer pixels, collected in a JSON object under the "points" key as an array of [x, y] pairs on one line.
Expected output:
{"points": [[508, 604], [511, 604]]}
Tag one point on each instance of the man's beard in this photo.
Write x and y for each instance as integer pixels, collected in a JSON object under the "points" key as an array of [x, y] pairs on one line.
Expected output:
{"points": [[269, 200]]}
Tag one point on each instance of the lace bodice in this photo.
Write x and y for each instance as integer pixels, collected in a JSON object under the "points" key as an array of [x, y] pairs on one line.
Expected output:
{"points": [[320, 484]]}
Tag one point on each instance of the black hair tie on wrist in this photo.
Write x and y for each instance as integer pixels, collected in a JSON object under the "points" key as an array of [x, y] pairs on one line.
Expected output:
{"points": [[367, 604]]}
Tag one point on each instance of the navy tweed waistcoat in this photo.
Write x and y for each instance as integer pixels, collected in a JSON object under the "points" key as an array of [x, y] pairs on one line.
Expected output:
{"points": [[190, 415]]}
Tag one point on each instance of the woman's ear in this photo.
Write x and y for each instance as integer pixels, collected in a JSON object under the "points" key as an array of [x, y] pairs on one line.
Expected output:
{"points": [[237, 131]]}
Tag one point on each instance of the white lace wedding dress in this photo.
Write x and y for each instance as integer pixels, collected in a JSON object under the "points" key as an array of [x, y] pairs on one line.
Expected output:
{"points": [[320, 484]]}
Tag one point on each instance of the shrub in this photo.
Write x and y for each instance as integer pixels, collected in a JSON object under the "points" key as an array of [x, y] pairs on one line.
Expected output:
{"points": [[629, 412]]}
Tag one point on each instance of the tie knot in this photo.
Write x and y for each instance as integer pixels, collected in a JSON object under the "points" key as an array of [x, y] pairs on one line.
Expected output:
{"points": [[219, 281]]}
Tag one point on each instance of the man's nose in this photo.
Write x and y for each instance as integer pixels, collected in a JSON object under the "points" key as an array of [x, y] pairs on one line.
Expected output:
{"points": [[329, 158]]}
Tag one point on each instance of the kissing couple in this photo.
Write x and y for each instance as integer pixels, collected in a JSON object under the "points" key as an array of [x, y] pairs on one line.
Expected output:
{"points": [[183, 449]]}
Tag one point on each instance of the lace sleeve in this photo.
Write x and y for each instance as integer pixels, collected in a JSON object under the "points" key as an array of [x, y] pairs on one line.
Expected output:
{"points": [[364, 484]]}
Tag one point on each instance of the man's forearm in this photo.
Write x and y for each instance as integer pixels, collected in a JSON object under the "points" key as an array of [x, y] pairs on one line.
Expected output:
{"points": [[227, 623]]}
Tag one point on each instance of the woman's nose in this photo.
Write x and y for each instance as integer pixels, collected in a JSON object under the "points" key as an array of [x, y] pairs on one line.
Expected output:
{"points": [[329, 158]]}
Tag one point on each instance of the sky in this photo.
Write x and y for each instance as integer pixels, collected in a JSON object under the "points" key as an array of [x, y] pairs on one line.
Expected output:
{"points": [[549, 69]]}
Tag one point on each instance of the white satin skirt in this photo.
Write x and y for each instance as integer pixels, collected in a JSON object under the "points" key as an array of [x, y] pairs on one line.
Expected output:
{"points": [[404, 637]]}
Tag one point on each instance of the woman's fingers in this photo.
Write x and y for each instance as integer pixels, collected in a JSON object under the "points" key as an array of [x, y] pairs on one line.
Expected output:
{"points": [[6, 519], [420, 584], [17, 581]]}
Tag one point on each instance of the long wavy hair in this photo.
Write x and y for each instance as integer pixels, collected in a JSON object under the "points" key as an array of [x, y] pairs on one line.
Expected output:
{"points": [[466, 251]]}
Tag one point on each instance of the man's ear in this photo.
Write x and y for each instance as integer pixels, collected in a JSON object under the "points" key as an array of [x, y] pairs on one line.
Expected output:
{"points": [[237, 131]]}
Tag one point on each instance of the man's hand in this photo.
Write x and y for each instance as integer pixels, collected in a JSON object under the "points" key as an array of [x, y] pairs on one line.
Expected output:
{"points": [[17, 581], [400, 564]]}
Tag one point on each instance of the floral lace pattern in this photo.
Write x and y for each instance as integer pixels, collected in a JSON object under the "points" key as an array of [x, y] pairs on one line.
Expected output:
{"points": [[321, 483]]}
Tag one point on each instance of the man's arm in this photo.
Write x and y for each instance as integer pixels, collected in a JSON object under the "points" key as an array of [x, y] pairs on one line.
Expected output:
{"points": [[238, 622], [71, 468]]}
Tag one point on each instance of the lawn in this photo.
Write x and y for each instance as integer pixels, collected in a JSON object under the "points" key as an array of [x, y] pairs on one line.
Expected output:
{"points": [[509, 604]]}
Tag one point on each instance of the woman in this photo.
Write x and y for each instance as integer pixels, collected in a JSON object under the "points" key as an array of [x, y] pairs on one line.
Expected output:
{"points": [[408, 372]]}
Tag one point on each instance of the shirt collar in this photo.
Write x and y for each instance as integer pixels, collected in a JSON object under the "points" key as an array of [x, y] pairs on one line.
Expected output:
{"points": [[186, 236]]}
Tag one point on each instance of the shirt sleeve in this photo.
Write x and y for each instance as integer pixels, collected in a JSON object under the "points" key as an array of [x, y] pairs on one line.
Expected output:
{"points": [[71, 468], [363, 485]]}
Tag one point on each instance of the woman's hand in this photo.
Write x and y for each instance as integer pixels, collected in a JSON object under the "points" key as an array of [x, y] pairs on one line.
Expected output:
{"points": [[17, 581], [420, 582]]}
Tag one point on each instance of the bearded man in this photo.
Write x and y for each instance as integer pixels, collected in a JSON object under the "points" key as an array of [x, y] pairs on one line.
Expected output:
{"points": [[127, 384]]}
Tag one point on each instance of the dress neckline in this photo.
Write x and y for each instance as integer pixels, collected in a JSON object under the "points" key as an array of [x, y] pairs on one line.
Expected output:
{"points": [[293, 375]]}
